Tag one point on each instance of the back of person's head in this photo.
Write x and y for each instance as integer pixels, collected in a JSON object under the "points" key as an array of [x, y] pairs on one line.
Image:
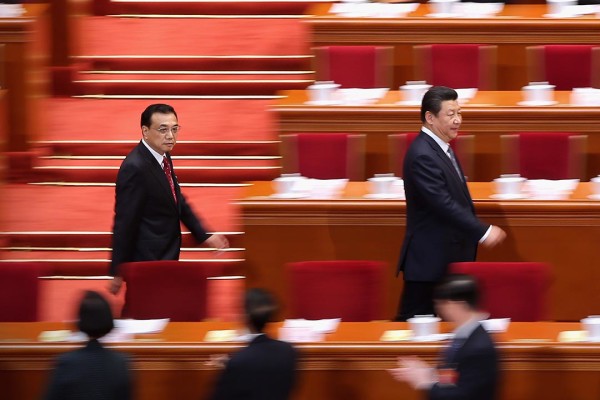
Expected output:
{"points": [[146, 119], [95, 315], [259, 306], [458, 287], [433, 98]]}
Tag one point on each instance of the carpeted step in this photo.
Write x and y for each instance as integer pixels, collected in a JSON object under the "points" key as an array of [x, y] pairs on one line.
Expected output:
{"points": [[183, 148], [231, 63], [201, 85]]}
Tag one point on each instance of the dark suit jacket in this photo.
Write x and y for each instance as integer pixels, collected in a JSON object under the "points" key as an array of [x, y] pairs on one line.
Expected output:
{"points": [[441, 226], [147, 219], [264, 370], [476, 363], [90, 373]]}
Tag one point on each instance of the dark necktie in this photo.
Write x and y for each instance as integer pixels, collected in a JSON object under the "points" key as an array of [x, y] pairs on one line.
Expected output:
{"points": [[454, 163], [168, 172]]}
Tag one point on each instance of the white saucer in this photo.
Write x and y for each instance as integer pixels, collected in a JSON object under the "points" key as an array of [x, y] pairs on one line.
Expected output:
{"points": [[538, 103], [384, 196], [560, 15], [508, 196], [594, 197], [442, 15], [323, 102], [436, 337], [409, 103], [288, 195]]}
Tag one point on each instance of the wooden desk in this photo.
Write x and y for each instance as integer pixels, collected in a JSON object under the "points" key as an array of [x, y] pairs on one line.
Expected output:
{"points": [[350, 364], [26, 54], [516, 27], [487, 116], [562, 233]]}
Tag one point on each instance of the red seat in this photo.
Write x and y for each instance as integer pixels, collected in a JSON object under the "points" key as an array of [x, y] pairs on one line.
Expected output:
{"points": [[566, 66], [350, 290], [19, 291], [168, 289], [544, 155], [355, 66], [463, 147], [456, 65], [510, 289], [324, 155]]}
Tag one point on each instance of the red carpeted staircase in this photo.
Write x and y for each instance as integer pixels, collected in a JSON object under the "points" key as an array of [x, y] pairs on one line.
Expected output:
{"points": [[219, 64]]}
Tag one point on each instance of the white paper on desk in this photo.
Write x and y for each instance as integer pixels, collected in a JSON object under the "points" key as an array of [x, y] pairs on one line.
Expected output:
{"points": [[317, 325], [469, 9], [361, 96], [466, 94], [11, 10], [321, 188], [551, 189], [373, 10], [134, 326]]}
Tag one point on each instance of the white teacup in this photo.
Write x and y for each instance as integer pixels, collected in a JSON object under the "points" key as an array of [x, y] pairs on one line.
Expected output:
{"points": [[509, 185], [322, 92], [591, 325], [285, 184], [414, 92], [424, 326], [596, 184], [442, 6], [558, 7], [382, 184], [538, 93]]}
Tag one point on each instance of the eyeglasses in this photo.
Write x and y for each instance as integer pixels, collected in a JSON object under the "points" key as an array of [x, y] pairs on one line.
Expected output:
{"points": [[163, 130]]}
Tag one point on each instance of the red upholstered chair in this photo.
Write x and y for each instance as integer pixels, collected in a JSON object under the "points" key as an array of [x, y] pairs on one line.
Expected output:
{"points": [[564, 65], [350, 290], [19, 291], [354, 66], [510, 289], [324, 155], [544, 155], [457, 65], [168, 289], [463, 147]]}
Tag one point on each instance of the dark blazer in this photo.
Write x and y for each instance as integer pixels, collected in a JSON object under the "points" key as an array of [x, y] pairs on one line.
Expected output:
{"points": [[90, 373], [264, 370], [147, 219], [476, 363], [441, 226]]}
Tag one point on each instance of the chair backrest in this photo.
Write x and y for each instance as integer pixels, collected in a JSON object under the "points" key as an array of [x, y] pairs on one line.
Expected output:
{"points": [[168, 289], [354, 66], [510, 289], [544, 155], [457, 65], [350, 290], [324, 155], [19, 291], [565, 66], [463, 146]]}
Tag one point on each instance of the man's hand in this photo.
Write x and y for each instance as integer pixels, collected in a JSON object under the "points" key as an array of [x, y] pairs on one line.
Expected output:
{"points": [[496, 236], [415, 372], [114, 286], [219, 242]]}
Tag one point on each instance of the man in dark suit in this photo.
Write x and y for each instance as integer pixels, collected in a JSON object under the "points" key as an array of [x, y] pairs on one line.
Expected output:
{"points": [[441, 225], [149, 205], [266, 368], [469, 367], [93, 372]]}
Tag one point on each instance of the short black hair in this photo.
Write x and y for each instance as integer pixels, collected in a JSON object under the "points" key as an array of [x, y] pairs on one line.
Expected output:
{"points": [[95, 315], [458, 287], [260, 306], [433, 98], [146, 119]]}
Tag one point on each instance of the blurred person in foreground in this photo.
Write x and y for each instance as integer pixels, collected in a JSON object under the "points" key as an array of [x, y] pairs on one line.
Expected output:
{"points": [[441, 225], [149, 205], [266, 368], [93, 372], [469, 365]]}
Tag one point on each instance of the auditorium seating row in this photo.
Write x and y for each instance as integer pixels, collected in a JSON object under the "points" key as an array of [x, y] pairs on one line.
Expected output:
{"points": [[352, 290], [534, 155], [457, 65]]}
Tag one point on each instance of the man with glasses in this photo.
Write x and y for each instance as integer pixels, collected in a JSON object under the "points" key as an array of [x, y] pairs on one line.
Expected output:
{"points": [[149, 205]]}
